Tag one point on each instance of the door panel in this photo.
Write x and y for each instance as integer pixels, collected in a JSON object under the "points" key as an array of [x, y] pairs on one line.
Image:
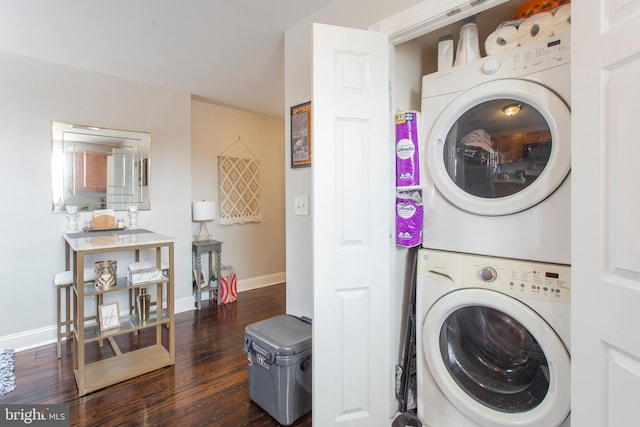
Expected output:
{"points": [[606, 208], [352, 219]]}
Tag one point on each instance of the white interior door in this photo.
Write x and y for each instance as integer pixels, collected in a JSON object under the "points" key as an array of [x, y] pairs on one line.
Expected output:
{"points": [[606, 213], [352, 228]]}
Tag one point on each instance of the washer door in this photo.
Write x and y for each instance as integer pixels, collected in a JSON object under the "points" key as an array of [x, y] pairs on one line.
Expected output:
{"points": [[497, 360], [500, 147]]}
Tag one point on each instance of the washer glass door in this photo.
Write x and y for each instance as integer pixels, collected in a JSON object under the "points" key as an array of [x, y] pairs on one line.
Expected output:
{"points": [[496, 360], [500, 147], [490, 354]]}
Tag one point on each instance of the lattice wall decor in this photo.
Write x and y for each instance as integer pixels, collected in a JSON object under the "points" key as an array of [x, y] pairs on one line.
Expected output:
{"points": [[239, 181]]}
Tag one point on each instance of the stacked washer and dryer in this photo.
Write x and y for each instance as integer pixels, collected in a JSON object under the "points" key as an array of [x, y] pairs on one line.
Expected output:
{"points": [[494, 285]]}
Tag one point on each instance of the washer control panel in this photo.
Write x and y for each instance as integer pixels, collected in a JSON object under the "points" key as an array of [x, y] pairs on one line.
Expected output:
{"points": [[488, 273], [520, 279]]}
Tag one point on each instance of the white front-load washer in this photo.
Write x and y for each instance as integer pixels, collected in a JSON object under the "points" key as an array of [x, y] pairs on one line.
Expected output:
{"points": [[496, 154], [492, 341]]}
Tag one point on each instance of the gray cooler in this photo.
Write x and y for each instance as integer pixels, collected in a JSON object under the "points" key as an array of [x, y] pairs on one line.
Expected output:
{"points": [[279, 358]]}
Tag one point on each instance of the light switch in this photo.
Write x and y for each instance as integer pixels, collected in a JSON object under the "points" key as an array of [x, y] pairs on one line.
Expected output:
{"points": [[301, 207]]}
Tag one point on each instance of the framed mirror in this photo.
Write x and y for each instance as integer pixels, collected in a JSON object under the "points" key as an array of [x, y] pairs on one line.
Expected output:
{"points": [[96, 168]]}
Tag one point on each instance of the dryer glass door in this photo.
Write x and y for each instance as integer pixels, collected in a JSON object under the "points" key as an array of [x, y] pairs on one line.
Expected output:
{"points": [[490, 154], [500, 147]]}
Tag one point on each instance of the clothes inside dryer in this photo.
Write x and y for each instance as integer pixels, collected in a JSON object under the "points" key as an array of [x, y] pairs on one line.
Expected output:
{"points": [[491, 154], [494, 359]]}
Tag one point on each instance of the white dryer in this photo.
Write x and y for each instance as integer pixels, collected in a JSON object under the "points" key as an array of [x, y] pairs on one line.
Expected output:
{"points": [[492, 341], [496, 154]]}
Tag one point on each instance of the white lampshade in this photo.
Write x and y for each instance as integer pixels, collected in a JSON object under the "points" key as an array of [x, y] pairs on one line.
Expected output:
{"points": [[204, 210]]}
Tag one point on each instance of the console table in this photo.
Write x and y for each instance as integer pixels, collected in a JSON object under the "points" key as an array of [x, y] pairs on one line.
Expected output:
{"points": [[198, 249], [130, 361]]}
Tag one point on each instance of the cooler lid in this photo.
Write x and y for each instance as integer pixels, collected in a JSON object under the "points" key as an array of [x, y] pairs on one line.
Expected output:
{"points": [[286, 334]]}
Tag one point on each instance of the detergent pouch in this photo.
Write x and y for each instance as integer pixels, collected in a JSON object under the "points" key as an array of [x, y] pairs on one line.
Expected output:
{"points": [[409, 218], [407, 153]]}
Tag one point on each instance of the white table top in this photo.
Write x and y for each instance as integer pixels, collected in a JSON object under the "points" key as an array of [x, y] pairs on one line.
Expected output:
{"points": [[89, 241]]}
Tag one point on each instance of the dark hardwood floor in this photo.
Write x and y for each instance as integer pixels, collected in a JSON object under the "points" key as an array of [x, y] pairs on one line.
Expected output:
{"points": [[208, 385]]}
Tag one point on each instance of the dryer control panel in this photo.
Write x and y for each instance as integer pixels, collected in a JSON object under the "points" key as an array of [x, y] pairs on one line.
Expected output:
{"points": [[517, 278], [523, 62]]}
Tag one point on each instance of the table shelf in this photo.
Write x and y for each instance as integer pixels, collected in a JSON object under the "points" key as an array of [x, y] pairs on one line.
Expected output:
{"points": [[97, 375], [128, 324], [122, 283]]}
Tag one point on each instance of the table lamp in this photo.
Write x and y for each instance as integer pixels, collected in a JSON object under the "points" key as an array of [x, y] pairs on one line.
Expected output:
{"points": [[203, 211]]}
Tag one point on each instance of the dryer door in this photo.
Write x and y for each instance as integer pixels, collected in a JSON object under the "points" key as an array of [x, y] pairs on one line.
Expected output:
{"points": [[500, 147], [496, 359]]}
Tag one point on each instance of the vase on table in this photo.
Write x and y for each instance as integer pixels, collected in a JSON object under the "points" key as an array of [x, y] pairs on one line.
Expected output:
{"points": [[143, 303], [106, 274]]}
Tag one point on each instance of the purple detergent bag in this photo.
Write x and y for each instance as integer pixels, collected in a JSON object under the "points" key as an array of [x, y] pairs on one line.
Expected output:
{"points": [[409, 218], [407, 153]]}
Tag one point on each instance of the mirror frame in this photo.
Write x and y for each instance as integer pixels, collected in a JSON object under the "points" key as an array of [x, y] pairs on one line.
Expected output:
{"points": [[98, 168]]}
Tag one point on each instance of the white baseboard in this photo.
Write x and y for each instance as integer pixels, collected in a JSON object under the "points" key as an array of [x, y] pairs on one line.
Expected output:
{"points": [[29, 339], [37, 337], [188, 303], [262, 281]]}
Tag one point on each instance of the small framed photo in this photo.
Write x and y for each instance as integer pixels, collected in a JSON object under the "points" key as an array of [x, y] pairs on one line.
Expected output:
{"points": [[202, 282], [109, 316], [301, 135]]}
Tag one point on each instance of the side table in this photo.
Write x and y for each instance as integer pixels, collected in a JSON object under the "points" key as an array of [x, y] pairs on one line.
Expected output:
{"points": [[122, 361], [198, 248]]}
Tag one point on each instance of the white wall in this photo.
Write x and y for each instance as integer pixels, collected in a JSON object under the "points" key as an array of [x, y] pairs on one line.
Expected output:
{"points": [[183, 168], [255, 250], [32, 251], [406, 73]]}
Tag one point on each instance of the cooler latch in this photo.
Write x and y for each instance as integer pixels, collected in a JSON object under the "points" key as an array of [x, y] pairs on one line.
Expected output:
{"points": [[264, 355], [247, 344]]}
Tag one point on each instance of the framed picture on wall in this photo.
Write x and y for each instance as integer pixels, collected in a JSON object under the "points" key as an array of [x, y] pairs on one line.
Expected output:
{"points": [[301, 146]]}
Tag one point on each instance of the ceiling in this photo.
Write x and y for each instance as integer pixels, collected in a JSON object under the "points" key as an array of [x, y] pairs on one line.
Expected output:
{"points": [[230, 52]]}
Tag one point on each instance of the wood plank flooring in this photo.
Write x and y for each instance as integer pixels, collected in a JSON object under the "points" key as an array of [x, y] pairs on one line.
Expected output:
{"points": [[208, 386]]}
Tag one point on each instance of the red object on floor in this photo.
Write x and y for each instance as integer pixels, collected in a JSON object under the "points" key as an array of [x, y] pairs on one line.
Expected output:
{"points": [[228, 286]]}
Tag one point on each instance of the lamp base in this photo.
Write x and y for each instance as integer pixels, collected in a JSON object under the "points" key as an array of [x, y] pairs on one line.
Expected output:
{"points": [[202, 234]]}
